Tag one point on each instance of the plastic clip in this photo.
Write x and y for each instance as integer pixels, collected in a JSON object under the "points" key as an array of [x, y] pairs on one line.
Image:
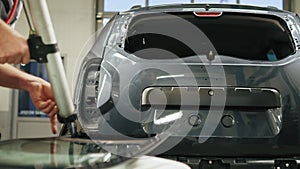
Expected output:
{"points": [[38, 50]]}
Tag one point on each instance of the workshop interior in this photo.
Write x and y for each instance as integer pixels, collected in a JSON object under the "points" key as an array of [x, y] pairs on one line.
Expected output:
{"points": [[140, 84]]}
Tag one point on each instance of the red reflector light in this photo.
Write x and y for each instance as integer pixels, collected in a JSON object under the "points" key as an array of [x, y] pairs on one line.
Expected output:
{"points": [[208, 14]]}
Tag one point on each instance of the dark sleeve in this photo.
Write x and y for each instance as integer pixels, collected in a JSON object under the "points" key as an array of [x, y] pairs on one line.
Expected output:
{"points": [[5, 6]]}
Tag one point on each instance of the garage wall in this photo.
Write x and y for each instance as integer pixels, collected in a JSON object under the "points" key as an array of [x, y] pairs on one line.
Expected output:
{"points": [[296, 6], [73, 22], [5, 113]]}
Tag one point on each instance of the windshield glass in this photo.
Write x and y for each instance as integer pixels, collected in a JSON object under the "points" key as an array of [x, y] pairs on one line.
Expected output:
{"points": [[59, 153]]}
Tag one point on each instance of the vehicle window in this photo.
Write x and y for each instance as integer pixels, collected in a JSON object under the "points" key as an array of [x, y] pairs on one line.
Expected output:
{"points": [[243, 36], [110, 5], [276, 3]]}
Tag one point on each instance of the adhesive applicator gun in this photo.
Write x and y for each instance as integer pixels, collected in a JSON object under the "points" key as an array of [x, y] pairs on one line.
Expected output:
{"points": [[43, 48]]}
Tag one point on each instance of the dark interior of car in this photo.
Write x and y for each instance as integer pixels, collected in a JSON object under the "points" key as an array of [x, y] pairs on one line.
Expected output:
{"points": [[243, 36]]}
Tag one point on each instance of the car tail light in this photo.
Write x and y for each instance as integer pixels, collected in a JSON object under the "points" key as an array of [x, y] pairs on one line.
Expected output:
{"points": [[208, 14]]}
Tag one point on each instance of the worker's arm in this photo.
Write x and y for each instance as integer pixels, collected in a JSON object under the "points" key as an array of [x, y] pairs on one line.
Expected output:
{"points": [[39, 90], [13, 46]]}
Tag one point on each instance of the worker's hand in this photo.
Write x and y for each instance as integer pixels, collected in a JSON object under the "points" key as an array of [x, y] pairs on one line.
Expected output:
{"points": [[42, 97], [13, 46]]}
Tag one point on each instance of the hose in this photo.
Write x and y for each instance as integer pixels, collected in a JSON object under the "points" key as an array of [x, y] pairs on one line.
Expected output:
{"points": [[12, 13]]}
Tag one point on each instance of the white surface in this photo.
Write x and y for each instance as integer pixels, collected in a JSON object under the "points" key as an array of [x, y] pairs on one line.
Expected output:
{"points": [[148, 162], [5, 114], [4, 99], [296, 6], [4, 124], [34, 128]]}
